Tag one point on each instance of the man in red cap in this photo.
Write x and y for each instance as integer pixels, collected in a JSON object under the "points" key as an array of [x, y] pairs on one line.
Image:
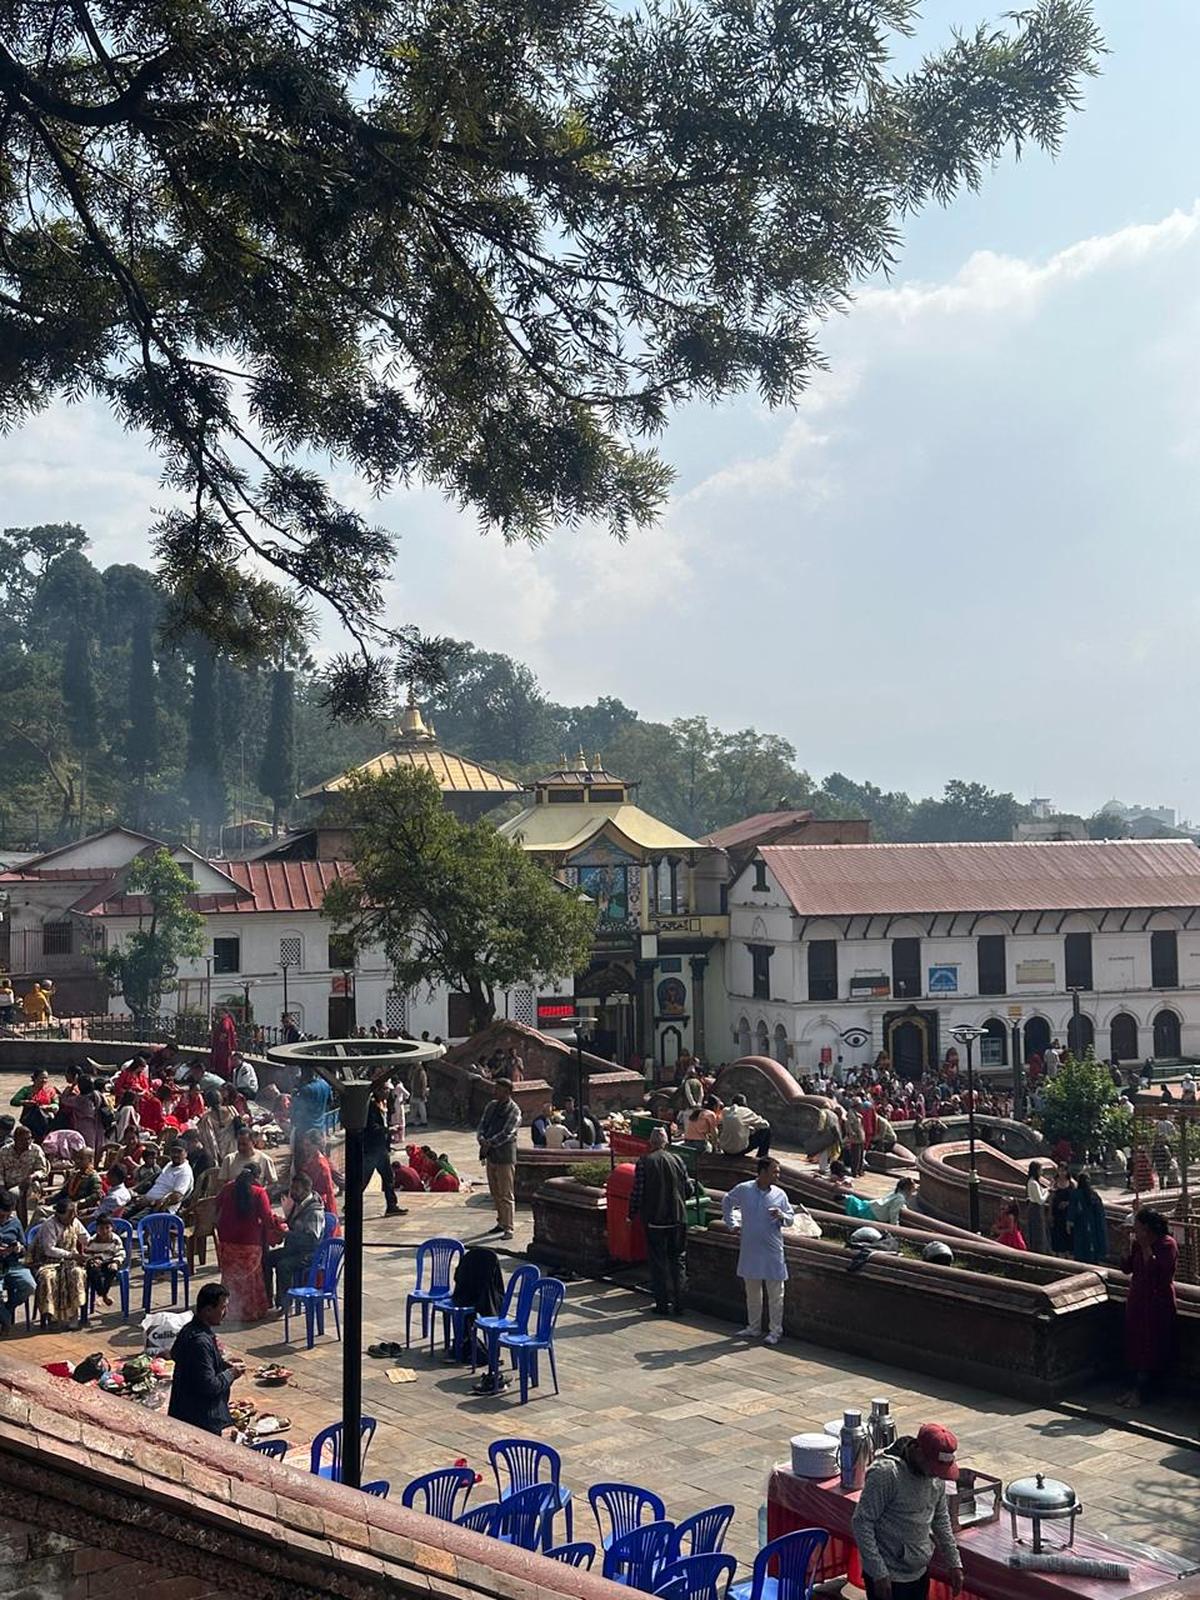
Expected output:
{"points": [[902, 1514]]}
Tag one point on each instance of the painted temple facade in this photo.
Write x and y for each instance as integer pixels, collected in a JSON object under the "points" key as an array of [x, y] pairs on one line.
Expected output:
{"points": [[657, 968]]}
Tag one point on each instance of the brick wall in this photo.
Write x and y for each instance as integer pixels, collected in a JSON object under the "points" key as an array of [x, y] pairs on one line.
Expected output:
{"points": [[39, 1565]]}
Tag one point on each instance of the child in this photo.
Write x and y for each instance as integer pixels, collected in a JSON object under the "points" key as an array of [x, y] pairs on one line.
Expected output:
{"points": [[1008, 1227], [103, 1258]]}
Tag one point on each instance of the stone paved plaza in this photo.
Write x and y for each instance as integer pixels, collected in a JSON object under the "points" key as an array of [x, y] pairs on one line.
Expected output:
{"points": [[678, 1406]]}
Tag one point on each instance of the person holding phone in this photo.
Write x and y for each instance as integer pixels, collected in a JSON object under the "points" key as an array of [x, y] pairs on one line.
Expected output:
{"points": [[763, 1211]]}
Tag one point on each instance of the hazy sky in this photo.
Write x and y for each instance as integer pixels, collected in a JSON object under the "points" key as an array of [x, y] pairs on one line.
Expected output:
{"points": [[968, 554]]}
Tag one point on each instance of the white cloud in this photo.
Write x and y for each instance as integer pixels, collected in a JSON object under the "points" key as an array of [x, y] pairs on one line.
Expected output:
{"points": [[989, 283]]}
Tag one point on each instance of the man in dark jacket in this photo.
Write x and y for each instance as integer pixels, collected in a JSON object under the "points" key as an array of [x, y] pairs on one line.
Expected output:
{"points": [[202, 1379], [377, 1155], [659, 1198]]}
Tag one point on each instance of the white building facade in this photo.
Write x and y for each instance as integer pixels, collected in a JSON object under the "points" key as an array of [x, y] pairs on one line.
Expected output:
{"points": [[840, 951]]}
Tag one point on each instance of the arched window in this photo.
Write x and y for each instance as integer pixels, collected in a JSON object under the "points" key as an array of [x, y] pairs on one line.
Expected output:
{"points": [[1081, 1035], [780, 1051], [1166, 1036], [994, 1054], [743, 1036], [1037, 1037], [762, 1039], [1123, 1038]]}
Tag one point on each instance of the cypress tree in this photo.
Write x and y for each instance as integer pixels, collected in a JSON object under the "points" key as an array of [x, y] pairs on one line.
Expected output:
{"points": [[277, 770], [204, 776], [141, 738], [80, 705]]}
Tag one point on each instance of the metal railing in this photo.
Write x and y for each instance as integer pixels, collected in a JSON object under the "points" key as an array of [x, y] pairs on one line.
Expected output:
{"points": [[183, 1028]]}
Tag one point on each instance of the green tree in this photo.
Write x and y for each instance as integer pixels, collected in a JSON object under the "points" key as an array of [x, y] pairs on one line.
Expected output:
{"points": [[451, 903], [890, 814], [492, 707], [204, 774], [277, 770], [1077, 1104], [966, 811], [143, 967], [25, 553], [79, 703], [141, 748], [593, 728], [483, 246]]}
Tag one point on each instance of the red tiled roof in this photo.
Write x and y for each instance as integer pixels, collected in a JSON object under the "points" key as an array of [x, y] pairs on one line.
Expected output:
{"points": [[57, 875], [765, 822], [850, 880], [264, 886]]}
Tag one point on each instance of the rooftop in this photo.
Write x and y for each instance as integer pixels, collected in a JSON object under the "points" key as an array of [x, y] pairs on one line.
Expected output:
{"points": [[563, 829], [761, 825], [258, 886], [415, 745], [850, 880]]}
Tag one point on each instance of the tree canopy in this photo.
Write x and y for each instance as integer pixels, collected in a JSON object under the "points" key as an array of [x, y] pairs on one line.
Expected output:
{"points": [[143, 967], [484, 246], [450, 902]]}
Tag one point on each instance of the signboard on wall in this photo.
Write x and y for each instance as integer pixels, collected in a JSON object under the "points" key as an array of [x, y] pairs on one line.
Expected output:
{"points": [[943, 979], [555, 1011], [1035, 972]]}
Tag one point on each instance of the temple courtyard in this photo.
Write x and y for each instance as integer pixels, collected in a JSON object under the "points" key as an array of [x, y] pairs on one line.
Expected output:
{"points": [[678, 1406]]}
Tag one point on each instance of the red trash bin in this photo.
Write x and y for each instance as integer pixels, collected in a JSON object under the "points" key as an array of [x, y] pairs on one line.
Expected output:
{"points": [[626, 1238]]}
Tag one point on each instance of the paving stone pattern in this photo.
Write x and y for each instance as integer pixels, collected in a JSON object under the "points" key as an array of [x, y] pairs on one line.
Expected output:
{"points": [[676, 1405]]}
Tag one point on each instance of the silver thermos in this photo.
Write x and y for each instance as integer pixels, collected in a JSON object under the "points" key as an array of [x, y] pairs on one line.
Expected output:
{"points": [[854, 1451], [881, 1427]]}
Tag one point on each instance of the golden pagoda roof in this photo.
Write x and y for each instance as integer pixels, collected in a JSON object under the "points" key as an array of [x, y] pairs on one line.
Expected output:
{"points": [[566, 828], [414, 744]]}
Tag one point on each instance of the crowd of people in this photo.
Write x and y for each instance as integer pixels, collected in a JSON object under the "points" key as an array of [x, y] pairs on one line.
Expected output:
{"points": [[198, 1137]]}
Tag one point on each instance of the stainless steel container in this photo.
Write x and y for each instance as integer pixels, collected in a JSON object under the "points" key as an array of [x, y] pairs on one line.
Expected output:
{"points": [[854, 1451], [1042, 1499], [881, 1427]]}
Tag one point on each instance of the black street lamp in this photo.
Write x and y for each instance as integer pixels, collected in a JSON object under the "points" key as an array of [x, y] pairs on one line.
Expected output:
{"points": [[1018, 1071], [966, 1035], [351, 1068]]}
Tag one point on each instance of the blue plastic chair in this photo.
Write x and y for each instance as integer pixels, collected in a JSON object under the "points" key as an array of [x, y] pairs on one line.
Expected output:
{"points": [[548, 1297], [331, 1226], [123, 1231], [514, 1313], [456, 1320], [702, 1534], [793, 1557], [580, 1554], [481, 1519], [276, 1449], [381, 1488], [440, 1492], [527, 1517], [320, 1289], [332, 1436], [703, 1577], [160, 1239], [637, 1557], [436, 1259], [626, 1507], [521, 1462]]}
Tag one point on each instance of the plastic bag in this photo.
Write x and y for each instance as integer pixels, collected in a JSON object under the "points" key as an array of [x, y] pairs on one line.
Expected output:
{"points": [[161, 1328]]}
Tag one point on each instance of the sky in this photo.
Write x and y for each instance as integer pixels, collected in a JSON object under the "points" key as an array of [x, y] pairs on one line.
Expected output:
{"points": [[966, 554]]}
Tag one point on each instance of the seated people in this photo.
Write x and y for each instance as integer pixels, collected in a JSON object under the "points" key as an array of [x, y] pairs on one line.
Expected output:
{"points": [[16, 1281], [170, 1189], [288, 1263]]}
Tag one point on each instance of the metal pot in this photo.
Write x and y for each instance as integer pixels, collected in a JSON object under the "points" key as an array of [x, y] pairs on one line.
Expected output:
{"points": [[1042, 1499]]}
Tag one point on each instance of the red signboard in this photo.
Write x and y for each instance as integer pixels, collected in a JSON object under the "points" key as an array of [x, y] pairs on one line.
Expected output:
{"points": [[555, 1010]]}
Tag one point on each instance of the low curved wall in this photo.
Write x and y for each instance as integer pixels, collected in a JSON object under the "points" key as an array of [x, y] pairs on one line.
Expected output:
{"points": [[1016, 1139]]}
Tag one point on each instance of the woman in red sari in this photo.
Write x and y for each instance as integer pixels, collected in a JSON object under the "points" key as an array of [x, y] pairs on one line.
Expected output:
{"points": [[246, 1227], [224, 1044], [1150, 1308]]}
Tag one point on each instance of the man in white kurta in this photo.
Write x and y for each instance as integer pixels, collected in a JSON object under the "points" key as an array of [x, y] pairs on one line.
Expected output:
{"points": [[763, 1212]]}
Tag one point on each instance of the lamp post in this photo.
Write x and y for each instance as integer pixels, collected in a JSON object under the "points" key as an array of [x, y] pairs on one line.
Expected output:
{"points": [[1075, 1032], [584, 1024], [1018, 1066], [966, 1035], [351, 1067]]}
